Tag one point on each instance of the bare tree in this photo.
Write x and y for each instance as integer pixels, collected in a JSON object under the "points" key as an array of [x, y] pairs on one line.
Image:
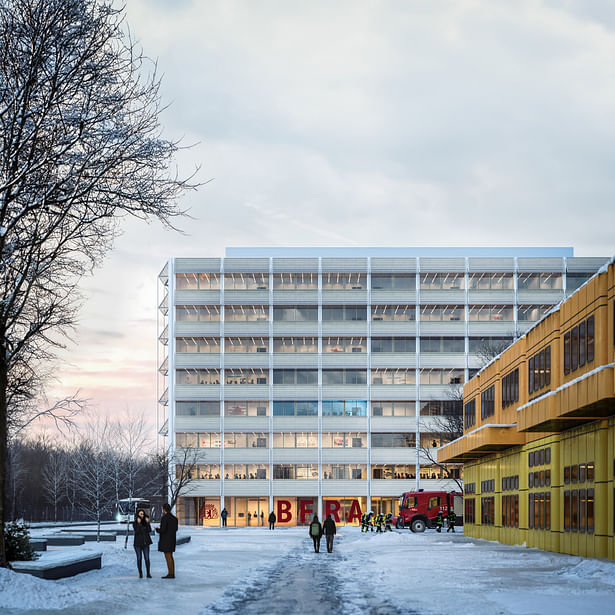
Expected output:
{"points": [[55, 478], [94, 465], [176, 473], [80, 147]]}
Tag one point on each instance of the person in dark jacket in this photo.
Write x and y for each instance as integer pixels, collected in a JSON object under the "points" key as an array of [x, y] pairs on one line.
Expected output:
{"points": [[166, 542], [142, 530], [316, 533], [439, 521], [223, 516], [272, 520], [451, 519], [329, 529]]}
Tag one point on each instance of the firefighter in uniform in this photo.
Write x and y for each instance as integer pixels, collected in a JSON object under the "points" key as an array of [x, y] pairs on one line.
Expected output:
{"points": [[364, 522], [452, 517], [439, 521], [388, 522], [379, 520], [370, 520]]}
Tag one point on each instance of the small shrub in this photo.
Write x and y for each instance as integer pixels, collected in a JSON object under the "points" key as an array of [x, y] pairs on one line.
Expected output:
{"points": [[17, 543]]}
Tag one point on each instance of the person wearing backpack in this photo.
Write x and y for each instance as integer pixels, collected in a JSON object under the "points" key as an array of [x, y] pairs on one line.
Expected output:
{"points": [[316, 533], [329, 528]]}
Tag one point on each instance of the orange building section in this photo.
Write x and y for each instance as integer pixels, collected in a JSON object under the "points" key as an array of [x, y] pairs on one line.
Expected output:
{"points": [[539, 432]]}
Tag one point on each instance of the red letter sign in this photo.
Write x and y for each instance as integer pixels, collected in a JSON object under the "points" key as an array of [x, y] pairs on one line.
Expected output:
{"points": [[305, 510], [331, 508], [355, 511], [284, 514]]}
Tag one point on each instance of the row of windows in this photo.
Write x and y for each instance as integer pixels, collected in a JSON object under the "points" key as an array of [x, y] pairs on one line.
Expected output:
{"points": [[347, 407], [487, 402], [579, 511], [510, 510], [579, 473], [579, 346], [309, 313], [469, 414], [487, 485], [539, 457], [385, 281], [510, 388], [296, 440], [260, 376], [469, 488], [539, 511], [539, 479], [539, 370], [510, 483]]}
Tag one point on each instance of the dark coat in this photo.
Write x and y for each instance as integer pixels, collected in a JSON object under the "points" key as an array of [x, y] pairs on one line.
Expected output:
{"points": [[272, 517], [167, 531], [329, 527], [142, 533]]}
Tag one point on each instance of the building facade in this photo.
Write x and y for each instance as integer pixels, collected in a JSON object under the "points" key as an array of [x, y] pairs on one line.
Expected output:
{"points": [[539, 440], [316, 380]]}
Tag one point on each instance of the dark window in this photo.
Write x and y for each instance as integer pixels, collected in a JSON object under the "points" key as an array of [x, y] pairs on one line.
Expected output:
{"points": [[547, 365], [590, 472], [574, 349], [582, 510], [530, 374], [469, 414], [567, 511], [567, 353], [530, 461], [590, 339], [567, 474], [590, 511], [548, 455], [574, 511], [582, 344], [487, 402], [574, 474]]}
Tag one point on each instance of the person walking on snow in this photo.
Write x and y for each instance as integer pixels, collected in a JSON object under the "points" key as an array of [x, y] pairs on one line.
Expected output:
{"points": [[316, 533], [223, 516], [388, 523], [452, 517], [142, 541], [167, 540], [439, 521], [272, 520], [329, 529]]}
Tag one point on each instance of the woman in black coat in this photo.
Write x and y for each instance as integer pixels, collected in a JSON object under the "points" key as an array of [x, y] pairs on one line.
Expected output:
{"points": [[142, 531]]}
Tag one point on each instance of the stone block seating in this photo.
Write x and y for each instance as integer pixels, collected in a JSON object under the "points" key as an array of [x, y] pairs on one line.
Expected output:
{"points": [[64, 540], [39, 544], [183, 539], [58, 565]]}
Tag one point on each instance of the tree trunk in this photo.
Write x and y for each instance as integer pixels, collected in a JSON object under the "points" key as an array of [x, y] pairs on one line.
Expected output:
{"points": [[3, 449]]}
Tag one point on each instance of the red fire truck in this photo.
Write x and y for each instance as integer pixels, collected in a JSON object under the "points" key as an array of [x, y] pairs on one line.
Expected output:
{"points": [[418, 509]]}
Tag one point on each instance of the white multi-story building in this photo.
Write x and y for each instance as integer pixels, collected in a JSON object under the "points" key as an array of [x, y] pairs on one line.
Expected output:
{"points": [[316, 380]]}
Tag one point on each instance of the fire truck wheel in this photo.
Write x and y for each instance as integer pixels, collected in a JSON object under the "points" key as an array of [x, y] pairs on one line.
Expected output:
{"points": [[418, 526]]}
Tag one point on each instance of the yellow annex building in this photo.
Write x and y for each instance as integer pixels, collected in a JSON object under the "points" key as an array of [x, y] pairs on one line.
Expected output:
{"points": [[539, 432]]}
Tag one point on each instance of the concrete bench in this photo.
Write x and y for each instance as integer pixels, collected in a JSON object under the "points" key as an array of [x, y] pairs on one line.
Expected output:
{"points": [[64, 540], [183, 539], [84, 532], [104, 537], [38, 544], [59, 565]]}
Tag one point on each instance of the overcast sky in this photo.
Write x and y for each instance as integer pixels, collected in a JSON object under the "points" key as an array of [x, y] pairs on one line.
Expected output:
{"points": [[409, 123]]}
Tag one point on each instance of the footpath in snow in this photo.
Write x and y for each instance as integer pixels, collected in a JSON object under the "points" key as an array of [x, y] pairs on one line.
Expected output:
{"points": [[253, 570]]}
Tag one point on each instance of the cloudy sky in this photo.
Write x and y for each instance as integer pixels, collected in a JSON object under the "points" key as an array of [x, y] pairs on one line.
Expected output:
{"points": [[360, 122]]}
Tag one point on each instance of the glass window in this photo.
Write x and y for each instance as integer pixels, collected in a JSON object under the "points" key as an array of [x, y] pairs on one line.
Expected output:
{"points": [[540, 281], [295, 376], [489, 345], [295, 281], [250, 313], [194, 313], [393, 440], [532, 312], [344, 376], [246, 281], [246, 376], [490, 313], [354, 407], [393, 344], [198, 376], [442, 344], [246, 344], [442, 281], [400, 281], [344, 281], [394, 376], [442, 312], [295, 408], [490, 281], [344, 312], [197, 408], [344, 344], [197, 281], [574, 348], [295, 313], [449, 407], [574, 280], [442, 376], [590, 339], [393, 312], [295, 344]]}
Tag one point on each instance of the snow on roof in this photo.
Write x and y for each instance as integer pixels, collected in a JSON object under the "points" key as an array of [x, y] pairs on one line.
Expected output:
{"points": [[479, 429]]}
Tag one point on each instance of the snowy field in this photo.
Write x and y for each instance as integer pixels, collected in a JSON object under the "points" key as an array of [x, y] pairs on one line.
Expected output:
{"points": [[250, 571]]}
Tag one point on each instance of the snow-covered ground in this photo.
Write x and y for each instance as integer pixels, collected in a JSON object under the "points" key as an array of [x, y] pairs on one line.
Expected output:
{"points": [[254, 570]]}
